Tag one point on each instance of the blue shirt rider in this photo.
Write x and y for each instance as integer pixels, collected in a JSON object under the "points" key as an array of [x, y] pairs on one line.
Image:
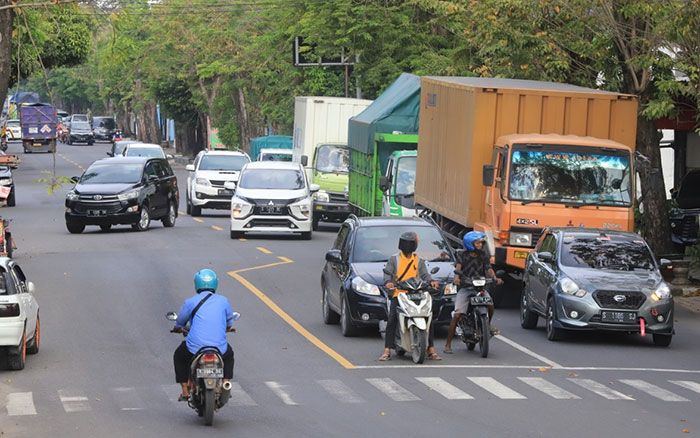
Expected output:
{"points": [[207, 329]]}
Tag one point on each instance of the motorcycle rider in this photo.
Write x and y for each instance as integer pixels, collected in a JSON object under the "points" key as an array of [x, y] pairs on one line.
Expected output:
{"points": [[403, 266], [210, 317], [474, 262]]}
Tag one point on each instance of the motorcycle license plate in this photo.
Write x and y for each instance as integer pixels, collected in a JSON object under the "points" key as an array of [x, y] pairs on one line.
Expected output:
{"points": [[210, 373], [618, 317], [476, 301], [415, 296]]}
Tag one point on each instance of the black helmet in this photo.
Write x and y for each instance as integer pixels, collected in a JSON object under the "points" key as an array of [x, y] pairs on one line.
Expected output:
{"points": [[408, 242]]}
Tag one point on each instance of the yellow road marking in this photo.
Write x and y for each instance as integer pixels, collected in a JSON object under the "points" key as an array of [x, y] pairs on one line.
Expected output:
{"points": [[196, 219], [264, 250], [236, 275], [71, 161], [217, 228]]}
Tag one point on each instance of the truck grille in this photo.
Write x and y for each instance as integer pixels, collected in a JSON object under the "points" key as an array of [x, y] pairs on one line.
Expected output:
{"points": [[338, 197], [606, 299]]}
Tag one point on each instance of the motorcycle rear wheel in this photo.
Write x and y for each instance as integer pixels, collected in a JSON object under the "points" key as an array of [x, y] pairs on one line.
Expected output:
{"points": [[484, 341], [208, 407], [418, 345]]}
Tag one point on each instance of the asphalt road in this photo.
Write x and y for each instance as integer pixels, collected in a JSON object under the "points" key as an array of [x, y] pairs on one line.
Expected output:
{"points": [[105, 365]]}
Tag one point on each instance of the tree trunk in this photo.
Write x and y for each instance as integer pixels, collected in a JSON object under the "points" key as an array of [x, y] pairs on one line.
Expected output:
{"points": [[246, 128], [6, 16], [150, 131], [656, 227]]}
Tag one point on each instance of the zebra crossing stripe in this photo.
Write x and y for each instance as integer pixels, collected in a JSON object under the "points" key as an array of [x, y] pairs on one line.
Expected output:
{"points": [[549, 388], [687, 384], [20, 403], [444, 388], [280, 392], [340, 391], [653, 390], [392, 389], [73, 401], [496, 388], [600, 389]]}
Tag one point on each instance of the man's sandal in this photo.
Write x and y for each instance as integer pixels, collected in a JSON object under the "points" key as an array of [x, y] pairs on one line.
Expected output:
{"points": [[434, 356], [447, 350], [384, 357]]}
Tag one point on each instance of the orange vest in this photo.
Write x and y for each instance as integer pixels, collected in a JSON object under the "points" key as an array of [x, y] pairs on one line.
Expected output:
{"points": [[407, 268]]}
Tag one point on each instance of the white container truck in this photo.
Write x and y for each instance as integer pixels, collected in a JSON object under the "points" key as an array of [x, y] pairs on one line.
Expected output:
{"points": [[321, 134]]}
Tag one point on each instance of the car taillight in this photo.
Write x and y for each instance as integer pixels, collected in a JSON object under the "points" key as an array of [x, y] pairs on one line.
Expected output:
{"points": [[9, 310], [209, 358]]}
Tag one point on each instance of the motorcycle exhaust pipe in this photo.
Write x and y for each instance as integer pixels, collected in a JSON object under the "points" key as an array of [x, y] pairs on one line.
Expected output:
{"points": [[227, 385]]}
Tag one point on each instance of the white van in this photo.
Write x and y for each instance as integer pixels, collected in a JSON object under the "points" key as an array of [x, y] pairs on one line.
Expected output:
{"points": [[272, 197]]}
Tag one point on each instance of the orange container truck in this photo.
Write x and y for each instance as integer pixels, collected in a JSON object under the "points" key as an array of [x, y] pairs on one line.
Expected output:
{"points": [[510, 157]]}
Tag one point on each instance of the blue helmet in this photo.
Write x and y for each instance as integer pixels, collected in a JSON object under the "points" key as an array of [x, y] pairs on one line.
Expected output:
{"points": [[472, 237], [206, 280]]}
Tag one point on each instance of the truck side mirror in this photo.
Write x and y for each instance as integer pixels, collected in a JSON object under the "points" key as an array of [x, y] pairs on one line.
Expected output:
{"points": [[304, 160], [384, 184], [488, 175]]}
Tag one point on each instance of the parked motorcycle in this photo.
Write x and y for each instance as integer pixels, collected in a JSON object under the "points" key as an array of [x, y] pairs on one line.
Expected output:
{"points": [[473, 326], [415, 314], [208, 391]]}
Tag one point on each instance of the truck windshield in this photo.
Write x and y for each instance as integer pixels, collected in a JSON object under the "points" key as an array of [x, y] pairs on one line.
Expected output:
{"points": [[569, 174], [223, 162], [279, 179], [332, 159]]}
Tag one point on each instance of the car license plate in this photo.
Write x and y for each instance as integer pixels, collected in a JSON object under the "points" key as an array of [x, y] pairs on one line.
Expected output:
{"points": [[618, 317], [271, 209], [97, 212], [212, 373], [476, 301], [37, 145], [415, 296], [225, 192]]}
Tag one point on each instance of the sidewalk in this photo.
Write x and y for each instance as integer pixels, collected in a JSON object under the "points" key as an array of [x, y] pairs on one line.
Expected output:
{"points": [[178, 159], [689, 296]]}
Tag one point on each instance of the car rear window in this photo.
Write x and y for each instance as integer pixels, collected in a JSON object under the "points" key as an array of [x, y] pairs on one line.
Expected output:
{"points": [[144, 152], [606, 252], [103, 122], [223, 162], [374, 244]]}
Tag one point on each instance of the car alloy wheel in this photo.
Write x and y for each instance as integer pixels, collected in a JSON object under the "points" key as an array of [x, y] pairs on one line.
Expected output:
{"points": [[169, 220], [553, 333], [329, 316], [528, 318], [144, 220], [346, 327]]}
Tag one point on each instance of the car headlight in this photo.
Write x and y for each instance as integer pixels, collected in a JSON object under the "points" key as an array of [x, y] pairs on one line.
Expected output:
{"points": [[202, 182], [521, 239], [450, 289], [663, 292], [301, 210], [322, 196], [72, 196], [569, 287], [133, 194], [363, 287], [239, 208]]}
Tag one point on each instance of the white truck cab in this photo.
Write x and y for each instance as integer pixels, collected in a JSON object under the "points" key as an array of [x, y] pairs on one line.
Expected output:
{"points": [[206, 178], [272, 197]]}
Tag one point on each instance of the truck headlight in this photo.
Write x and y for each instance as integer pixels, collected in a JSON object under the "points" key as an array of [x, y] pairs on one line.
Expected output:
{"points": [[72, 196], [202, 182], [569, 287], [133, 194], [322, 196], [663, 292], [521, 239], [363, 287]]}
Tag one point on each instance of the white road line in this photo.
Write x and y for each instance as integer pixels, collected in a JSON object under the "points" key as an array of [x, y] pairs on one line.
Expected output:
{"points": [[20, 403], [340, 391], [653, 390], [127, 399], [239, 397], [687, 384], [549, 388], [73, 400], [280, 392], [445, 389], [499, 367], [496, 388], [600, 389], [527, 351], [392, 389]]}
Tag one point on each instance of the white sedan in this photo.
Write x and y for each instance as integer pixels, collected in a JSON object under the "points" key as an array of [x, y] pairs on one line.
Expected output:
{"points": [[20, 327]]}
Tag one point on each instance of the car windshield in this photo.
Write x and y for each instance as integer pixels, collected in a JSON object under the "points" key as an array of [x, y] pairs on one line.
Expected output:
{"points": [[570, 175], [104, 122], [13, 123], [332, 159], [80, 125], [154, 152], [112, 174], [272, 156], [283, 179], [223, 162], [606, 252], [377, 244], [79, 118]]}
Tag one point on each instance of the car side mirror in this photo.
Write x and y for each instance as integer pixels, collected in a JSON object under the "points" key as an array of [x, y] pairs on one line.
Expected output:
{"points": [[313, 188], [30, 287], [171, 316], [169, 156], [189, 168], [230, 185], [665, 264], [545, 256], [334, 256], [304, 160], [110, 154], [488, 175], [75, 179], [384, 184]]}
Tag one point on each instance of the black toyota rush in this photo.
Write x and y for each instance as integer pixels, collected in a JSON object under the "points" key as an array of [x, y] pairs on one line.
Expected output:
{"points": [[123, 191]]}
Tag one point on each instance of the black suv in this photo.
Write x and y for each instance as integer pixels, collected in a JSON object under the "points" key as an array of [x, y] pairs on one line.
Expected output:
{"points": [[103, 128], [685, 216], [123, 190], [354, 267]]}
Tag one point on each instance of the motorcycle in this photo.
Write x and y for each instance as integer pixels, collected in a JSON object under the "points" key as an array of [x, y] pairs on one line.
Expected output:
{"points": [[208, 391], [473, 326], [7, 243], [415, 314], [117, 136]]}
